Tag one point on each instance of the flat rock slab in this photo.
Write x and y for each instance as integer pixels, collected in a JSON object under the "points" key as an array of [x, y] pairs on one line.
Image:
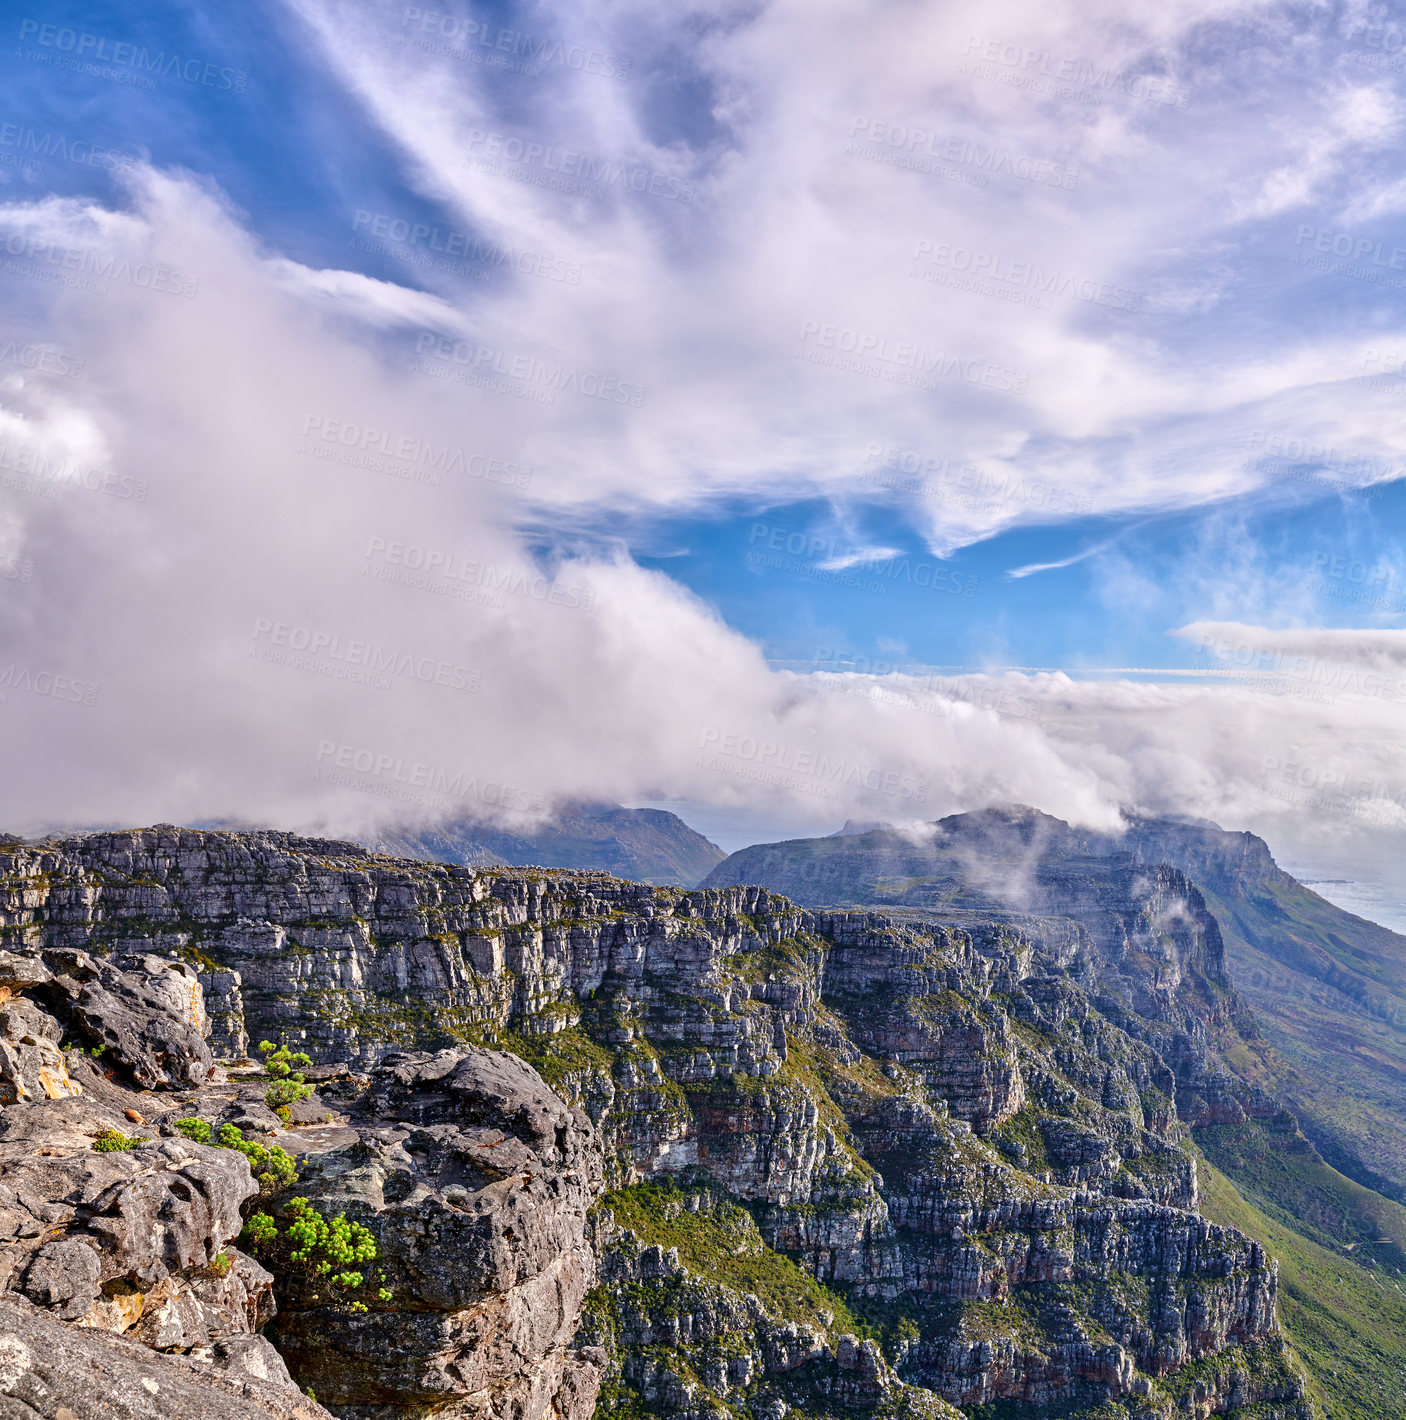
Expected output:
{"points": [[49, 1371]]}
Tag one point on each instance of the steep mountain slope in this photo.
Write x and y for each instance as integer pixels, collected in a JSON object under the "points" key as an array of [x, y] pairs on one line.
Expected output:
{"points": [[644, 845], [1328, 989], [858, 1164]]}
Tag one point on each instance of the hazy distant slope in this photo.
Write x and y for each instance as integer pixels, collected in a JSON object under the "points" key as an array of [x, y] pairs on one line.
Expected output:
{"points": [[644, 845]]}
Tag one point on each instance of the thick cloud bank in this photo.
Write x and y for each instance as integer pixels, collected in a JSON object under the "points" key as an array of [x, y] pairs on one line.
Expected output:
{"points": [[290, 589]]}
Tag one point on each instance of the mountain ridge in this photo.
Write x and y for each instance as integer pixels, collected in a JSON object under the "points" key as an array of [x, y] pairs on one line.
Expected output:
{"points": [[644, 845], [1328, 988], [947, 1158]]}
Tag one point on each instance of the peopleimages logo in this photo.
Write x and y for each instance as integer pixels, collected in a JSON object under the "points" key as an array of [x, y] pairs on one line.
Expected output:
{"points": [[46, 683], [89, 270], [1328, 678], [781, 549], [786, 765], [38, 145], [1309, 460], [350, 655], [101, 49], [1335, 791], [393, 776], [379, 444], [40, 473], [41, 358], [602, 173], [431, 241], [436, 570], [862, 352], [948, 262], [1351, 246], [922, 144], [966, 484], [496, 46], [485, 361], [863, 677], [1023, 67]]}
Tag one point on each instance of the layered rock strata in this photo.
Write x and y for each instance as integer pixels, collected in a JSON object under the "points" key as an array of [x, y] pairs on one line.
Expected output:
{"points": [[122, 1289], [955, 1146]]}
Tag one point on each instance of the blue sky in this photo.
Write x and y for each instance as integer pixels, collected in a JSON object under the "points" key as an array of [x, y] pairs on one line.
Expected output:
{"points": [[1003, 342]]}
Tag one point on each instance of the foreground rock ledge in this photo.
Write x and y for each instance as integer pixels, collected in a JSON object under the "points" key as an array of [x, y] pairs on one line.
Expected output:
{"points": [[49, 1371], [122, 1293], [475, 1180]]}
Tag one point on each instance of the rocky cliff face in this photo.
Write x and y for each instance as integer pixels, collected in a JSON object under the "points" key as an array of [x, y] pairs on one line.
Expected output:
{"points": [[1328, 1031], [1135, 933], [423, 1227], [856, 1163]]}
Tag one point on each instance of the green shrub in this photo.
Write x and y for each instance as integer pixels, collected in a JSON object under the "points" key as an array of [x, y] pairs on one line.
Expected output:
{"points": [[275, 1168], [196, 1129], [329, 1253], [259, 1232], [287, 1085], [110, 1141]]}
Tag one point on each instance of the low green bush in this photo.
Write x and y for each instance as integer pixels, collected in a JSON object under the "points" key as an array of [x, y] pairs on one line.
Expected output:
{"points": [[328, 1253], [111, 1141], [275, 1168], [287, 1084]]}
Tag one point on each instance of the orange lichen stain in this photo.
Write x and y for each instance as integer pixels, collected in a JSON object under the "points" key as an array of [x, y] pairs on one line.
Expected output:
{"points": [[56, 1083]]}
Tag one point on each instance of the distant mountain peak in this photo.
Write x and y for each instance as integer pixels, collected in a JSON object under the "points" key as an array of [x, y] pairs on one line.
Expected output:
{"points": [[644, 845]]}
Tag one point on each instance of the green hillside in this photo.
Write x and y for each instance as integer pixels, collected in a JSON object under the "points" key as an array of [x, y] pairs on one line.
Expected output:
{"points": [[1345, 1321], [1329, 991]]}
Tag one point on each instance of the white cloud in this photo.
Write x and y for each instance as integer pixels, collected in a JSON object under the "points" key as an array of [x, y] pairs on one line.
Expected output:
{"points": [[1362, 118], [243, 494], [1302, 650], [801, 238]]}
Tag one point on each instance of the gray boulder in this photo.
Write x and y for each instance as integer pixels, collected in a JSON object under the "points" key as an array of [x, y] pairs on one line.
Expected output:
{"points": [[126, 1222], [49, 1371], [19, 971], [148, 1013], [475, 1180], [32, 1066]]}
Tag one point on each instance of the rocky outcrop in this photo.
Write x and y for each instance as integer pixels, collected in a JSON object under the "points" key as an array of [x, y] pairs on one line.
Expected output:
{"points": [[50, 1371], [32, 1066], [224, 1008], [128, 1238], [121, 1286], [949, 1144], [148, 1012], [475, 1181]]}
